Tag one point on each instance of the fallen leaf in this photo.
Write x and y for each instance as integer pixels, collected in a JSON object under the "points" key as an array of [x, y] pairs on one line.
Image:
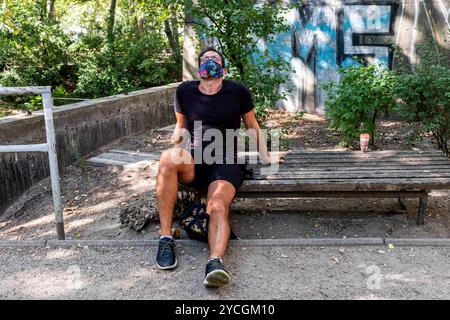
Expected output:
{"points": [[335, 260]]}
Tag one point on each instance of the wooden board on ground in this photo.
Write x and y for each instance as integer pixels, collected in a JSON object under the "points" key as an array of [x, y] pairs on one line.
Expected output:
{"points": [[124, 159]]}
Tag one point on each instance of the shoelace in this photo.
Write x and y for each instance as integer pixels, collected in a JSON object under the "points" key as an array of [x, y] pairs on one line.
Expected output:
{"points": [[215, 263], [165, 248]]}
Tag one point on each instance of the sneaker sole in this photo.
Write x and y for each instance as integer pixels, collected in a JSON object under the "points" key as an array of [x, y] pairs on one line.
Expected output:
{"points": [[168, 267], [216, 278]]}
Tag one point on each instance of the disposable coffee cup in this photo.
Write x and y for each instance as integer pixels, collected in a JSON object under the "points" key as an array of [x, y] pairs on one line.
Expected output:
{"points": [[364, 139]]}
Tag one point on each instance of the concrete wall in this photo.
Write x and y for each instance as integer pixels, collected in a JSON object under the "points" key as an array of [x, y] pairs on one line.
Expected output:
{"points": [[325, 34], [80, 129]]}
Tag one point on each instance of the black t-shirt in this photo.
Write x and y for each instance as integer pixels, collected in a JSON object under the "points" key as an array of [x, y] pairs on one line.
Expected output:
{"points": [[220, 111]]}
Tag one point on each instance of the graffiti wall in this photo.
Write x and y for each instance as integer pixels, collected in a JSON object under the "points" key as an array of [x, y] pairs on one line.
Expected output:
{"points": [[325, 35]]}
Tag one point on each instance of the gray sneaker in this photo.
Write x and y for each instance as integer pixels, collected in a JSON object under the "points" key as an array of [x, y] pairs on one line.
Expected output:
{"points": [[165, 258], [215, 274]]}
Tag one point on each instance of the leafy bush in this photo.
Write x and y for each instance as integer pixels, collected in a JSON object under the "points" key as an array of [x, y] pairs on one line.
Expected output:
{"points": [[423, 92], [131, 63], [425, 98], [77, 51], [35, 49], [354, 104]]}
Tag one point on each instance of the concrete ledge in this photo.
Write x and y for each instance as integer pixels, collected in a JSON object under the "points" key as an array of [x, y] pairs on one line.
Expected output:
{"points": [[302, 242], [309, 242], [419, 242], [22, 243]]}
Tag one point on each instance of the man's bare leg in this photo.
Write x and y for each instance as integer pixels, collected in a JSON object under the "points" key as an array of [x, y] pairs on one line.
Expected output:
{"points": [[171, 171], [220, 196]]}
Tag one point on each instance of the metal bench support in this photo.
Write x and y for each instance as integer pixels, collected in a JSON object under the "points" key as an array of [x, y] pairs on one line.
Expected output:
{"points": [[423, 201]]}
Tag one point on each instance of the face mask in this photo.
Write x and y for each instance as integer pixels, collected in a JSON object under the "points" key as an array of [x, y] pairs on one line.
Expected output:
{"points": [[210, 69]]}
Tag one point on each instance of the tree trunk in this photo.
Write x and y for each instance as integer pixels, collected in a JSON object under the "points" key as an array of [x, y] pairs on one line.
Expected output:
{"points": [[111, 21], [171, 31], [140, 25], [51, 9], [174, 23], [374, 120]]}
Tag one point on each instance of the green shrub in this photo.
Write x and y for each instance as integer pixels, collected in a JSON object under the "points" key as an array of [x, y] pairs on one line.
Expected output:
{"points": [[361, 96], [424, 96]]}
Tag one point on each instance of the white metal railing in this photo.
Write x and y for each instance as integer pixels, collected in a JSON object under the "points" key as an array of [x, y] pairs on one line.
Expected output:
{"points": [[49, 147]]}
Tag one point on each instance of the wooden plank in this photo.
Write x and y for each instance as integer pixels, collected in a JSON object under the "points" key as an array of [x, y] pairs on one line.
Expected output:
{"points": [[344, 159], [353, 169], [332, 166], [330, 194], [400, 184], [360, 163], [124, 157], [364, 156], [382, 152], [284, 170], [143, 155], [354, 175], [355, 154], [104, 162]]}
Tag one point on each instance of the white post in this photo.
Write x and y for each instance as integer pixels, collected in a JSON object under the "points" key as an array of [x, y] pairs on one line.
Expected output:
{"points": [[53, 163], [49, 146]]}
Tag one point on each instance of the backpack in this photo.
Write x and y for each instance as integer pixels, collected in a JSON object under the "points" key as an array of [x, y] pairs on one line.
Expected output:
{"points": [[195, 222]]}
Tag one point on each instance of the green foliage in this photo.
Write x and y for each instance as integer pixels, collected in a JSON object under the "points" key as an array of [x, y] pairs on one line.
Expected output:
{"points": [[424, 94], [35, 50], [298, 115], [74, 50], [353, 105], [425, 98], [33, 104], [238, 26], [129, 65]]}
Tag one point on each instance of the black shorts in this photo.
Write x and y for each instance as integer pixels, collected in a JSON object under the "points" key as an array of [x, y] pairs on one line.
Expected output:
{"points": [[205, 174]]}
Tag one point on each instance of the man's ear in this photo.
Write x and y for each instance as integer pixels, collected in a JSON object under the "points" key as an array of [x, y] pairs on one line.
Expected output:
{"points": [[225, 71]]}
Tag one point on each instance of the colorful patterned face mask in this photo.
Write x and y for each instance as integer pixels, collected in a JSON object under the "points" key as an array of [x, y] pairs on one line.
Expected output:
{"points": [[210, 69]]}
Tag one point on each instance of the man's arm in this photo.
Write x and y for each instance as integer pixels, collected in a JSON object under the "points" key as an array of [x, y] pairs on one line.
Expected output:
{"points": [[180, 129], [250, 122]]}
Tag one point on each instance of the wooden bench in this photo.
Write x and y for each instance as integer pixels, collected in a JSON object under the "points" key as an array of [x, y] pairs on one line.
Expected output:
{"points": [[349, 174]]}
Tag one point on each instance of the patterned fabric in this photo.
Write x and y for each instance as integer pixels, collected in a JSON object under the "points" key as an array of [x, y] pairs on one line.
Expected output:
{"points": [[195, 222], [210, 69]]}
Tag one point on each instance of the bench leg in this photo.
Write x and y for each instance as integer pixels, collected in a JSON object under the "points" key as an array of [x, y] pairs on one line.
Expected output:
{"points": [[401, 203], [423, 201]]}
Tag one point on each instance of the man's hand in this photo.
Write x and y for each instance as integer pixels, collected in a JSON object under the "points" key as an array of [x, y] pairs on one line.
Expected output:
{"points": [[272, 158]]}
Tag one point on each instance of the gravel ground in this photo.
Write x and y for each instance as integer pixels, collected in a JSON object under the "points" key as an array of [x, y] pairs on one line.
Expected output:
{"points": [[257, 273]]}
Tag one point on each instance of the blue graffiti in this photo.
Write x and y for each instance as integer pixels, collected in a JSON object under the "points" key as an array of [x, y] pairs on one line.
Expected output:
{"points": [[324, 37]]}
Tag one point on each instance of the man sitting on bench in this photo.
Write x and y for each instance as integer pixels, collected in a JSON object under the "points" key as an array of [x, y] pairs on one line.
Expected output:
{"points": [[218, 105]]}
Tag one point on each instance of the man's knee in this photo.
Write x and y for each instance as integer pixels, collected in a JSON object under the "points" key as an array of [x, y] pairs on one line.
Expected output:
{"points": [[217, 207], [169, 160]]}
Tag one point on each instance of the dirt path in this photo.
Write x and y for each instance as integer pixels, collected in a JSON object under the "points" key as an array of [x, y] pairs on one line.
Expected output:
{"points": [[257, 273]]}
